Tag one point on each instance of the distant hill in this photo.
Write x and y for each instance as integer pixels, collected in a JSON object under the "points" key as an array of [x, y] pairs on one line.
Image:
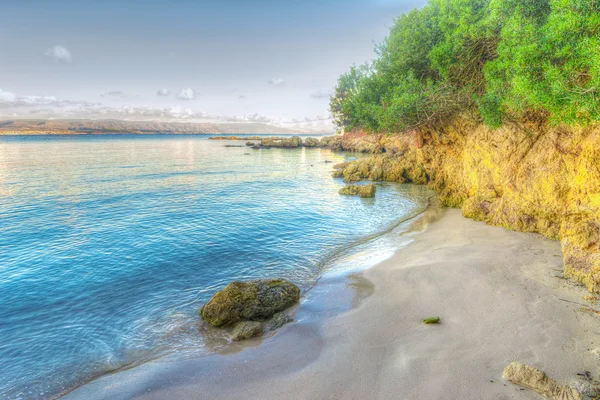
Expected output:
{"points": [[65, 127]]}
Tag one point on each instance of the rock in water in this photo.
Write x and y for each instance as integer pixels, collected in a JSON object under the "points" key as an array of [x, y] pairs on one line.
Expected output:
{"points": [[532, 378], [246, 330], [278, 320], [359, 190], [311, 142], [255, 300], [282, 142]]}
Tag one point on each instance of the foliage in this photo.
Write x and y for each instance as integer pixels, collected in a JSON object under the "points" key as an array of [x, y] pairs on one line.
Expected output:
{"points": [[505, 59]]}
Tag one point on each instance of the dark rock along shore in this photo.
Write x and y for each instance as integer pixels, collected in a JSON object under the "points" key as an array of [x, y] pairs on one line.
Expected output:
{"points": [[249, 301]]}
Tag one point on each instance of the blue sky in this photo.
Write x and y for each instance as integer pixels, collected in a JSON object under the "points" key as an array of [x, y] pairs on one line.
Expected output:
{"points": [[274, 61]]}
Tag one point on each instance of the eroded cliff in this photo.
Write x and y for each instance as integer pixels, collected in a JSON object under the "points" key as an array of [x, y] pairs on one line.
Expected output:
{"points": [[524, 177]]}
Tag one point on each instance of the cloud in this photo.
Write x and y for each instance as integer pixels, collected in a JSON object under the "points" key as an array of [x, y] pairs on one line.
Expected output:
{"points": [[50, 107], [241, 97], [250, 117], [37, 100], [163, 92], [10, 100], [316, 124], [186, 94], [6, 96], [319, 94], [59, 54], [277, 82], [42, 111], [113, 93]]}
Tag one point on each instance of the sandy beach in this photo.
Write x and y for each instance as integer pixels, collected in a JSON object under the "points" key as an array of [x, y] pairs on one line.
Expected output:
{"points": [[500, 297]]}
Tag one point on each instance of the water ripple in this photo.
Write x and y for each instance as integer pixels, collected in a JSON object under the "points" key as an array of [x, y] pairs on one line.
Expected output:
{"points": [[110, 244]]}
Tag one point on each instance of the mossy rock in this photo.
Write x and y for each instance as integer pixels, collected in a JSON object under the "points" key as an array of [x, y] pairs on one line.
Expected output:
{"points": [[311, 142], [246, 330], [337, 173], [278, 320], [359, 190], [331, 142], [293, 142], [255, 300]]}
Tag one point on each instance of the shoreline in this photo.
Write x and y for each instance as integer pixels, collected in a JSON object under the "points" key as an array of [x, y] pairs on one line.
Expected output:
{"points": [[340, 267], [495, 290]]}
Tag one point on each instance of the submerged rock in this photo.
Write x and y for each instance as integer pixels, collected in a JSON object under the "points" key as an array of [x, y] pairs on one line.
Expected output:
{"points": [[246, 330], [255, 300], [359, 190], [259, 146], [278, 320], [532, 378]]}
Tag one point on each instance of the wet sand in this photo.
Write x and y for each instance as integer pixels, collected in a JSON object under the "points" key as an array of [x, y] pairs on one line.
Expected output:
{"points": [[361, 337]]}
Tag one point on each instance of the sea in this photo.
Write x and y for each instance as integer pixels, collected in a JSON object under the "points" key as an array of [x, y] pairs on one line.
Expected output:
{"points": [[110, 244]]}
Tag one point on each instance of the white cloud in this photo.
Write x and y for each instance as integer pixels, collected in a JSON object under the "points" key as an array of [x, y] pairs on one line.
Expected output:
{"points": [[186, 94], [42, 111], [6, 96], [50, 107], [10, 102], [8, 99], [250, 117], [163, 92], [277, 82], [59, 54], [37, 100]]}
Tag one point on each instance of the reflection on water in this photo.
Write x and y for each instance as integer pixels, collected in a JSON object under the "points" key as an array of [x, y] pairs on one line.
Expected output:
{"points": [[109, 244]]}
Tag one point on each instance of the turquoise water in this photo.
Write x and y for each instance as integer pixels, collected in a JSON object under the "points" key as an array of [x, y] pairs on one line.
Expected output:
{"points": [[110, 244]]}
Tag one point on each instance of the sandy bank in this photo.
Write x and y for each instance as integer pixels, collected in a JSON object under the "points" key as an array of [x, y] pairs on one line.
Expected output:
{"points": [[495, 290]]}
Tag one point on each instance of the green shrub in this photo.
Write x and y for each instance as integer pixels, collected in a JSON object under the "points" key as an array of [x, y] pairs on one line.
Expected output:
{"points": [[505, 59]]}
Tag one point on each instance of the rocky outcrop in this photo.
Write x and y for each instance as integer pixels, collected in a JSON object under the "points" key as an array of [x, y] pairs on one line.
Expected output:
{"points": [[282, 142], [246, 330], [255, 300], [278, 320], [331, 142], [524, 177], [311, 142], [532, 378], [358, 190]]}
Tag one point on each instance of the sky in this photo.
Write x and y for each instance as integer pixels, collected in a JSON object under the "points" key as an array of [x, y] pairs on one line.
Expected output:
{"points": [[273, 61]]}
